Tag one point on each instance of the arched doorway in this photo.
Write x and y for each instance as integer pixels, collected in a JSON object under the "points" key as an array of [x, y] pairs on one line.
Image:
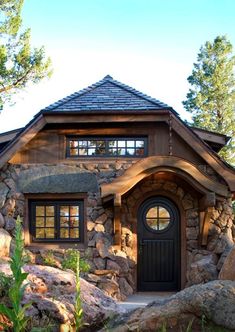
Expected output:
{"points": [[158, 232]]}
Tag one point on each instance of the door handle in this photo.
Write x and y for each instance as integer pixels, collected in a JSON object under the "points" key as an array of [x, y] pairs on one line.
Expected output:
{"points": [[141, 245]]}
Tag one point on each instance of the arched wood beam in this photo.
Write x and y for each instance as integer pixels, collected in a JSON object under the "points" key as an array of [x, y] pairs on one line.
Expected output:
{"points": [[151, 165]]}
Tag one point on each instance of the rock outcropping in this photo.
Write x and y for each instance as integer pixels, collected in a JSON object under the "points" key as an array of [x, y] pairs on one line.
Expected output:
{"points": [[213, 302], [52, 294], [228, 269]]}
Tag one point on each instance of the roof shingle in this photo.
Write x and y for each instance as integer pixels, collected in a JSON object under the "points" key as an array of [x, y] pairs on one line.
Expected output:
{"points": [[108, 95]]}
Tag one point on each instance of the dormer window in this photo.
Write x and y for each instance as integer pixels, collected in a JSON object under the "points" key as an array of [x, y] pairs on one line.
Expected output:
{"points": [[106, 147]]}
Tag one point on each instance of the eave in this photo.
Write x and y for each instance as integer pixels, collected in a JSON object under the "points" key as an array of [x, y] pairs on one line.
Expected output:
{"points": [[163, 115], [215, 140], [9, 135]]}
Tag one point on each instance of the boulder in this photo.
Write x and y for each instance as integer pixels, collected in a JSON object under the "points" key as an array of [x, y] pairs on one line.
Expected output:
{"points": [[2, 221], [10, 223], [5, 242], [110, 287], [125, 288], [227, 271], [224, 241], [214, 301], [102, 244], [3, 193], [123, 263], [52, 293], [9, 207], [203, 269]]}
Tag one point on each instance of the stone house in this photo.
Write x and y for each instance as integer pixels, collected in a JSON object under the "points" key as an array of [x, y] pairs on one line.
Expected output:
{"points": [[121, 177]]}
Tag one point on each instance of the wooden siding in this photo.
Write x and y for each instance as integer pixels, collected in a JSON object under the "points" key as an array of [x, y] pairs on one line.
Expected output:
{"points": [[49, 145], [183, 150]]}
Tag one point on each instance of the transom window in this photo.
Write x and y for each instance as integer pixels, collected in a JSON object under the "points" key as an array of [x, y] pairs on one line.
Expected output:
{"points": [[106, 147], [157, 218], [57, 220]]}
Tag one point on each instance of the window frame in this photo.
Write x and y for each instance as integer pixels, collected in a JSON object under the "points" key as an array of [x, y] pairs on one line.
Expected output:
{"points": [[164, 205], [56, 202], [106, 139]]}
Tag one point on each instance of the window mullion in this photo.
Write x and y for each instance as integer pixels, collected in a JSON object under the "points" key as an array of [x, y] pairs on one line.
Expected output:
{"points": [[158, 218], [57, 220], [106, 147]]}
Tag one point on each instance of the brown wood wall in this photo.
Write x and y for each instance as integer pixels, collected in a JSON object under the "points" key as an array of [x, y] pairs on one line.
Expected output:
{"points": [[49, 145]]}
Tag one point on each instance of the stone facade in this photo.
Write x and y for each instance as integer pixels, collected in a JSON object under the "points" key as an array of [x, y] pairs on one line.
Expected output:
{"points": [[112, 269]]}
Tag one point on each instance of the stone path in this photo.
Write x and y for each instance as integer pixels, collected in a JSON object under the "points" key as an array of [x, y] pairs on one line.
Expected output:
{"points": [[141, 299]]}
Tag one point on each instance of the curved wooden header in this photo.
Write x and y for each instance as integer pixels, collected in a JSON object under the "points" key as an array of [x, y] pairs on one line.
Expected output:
{"points": [[154, 164]]}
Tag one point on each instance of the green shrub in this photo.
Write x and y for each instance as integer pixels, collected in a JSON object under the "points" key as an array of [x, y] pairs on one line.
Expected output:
{"points": [[71, 259], [49, 259], [16, 313]]}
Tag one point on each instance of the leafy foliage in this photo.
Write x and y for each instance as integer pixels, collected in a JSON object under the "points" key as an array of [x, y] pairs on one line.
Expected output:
{"points": [[71, 260], [49, 259], [19, 63], [78, 312], [16, 313], [5, 283], [211, 99]]}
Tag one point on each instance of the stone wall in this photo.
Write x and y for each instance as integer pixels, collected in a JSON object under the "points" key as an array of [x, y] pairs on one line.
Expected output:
{"points": [[114, 270]]}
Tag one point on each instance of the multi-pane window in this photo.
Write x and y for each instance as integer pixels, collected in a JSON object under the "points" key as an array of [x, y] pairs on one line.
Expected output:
{"points": [[57, 220], [106, 147], [157, 218]]}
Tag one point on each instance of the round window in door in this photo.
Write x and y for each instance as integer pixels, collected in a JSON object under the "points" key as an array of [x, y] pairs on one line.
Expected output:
{"points": [[158, 218], [158, 245]]}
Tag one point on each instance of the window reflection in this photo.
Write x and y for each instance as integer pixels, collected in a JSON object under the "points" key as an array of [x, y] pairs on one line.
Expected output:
{"points": [[57, 221], [132, 147], [157, 218]]}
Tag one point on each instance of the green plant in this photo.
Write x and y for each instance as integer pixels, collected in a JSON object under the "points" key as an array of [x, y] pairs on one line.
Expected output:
{"points": [[70, 261], [5, 283], [189, 327], [163, 327], [48, 259], [16, 313], [203, 322], [78, 312]]}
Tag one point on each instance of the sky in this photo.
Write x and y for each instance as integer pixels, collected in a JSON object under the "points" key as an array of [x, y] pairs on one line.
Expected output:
{"points": [[150, 45]]}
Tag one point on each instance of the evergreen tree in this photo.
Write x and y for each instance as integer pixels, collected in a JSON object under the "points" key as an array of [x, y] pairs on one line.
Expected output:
{"points": [[19, 63], [211, 99]]}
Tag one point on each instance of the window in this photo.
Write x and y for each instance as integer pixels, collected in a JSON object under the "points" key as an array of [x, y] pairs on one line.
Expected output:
{"points": [[157, 218], [53, 221], [106, 147]]}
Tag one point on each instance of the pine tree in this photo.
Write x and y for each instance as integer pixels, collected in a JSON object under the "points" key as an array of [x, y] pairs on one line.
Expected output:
{"points": [[19, 63], [211, 99]]}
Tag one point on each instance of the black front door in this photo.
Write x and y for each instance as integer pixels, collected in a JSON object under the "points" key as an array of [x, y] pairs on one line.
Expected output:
{"points": [[158, 245]]}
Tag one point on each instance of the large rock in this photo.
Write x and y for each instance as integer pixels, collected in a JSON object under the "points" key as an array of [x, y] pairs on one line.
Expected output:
{"points": [[203, 269], [224, 241], [214, 300], [54, 179], [2, 221], [125, 288], [52, 293], [3, 193], [228, 269], [10, 223], [5, 242], [103, 244]]}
